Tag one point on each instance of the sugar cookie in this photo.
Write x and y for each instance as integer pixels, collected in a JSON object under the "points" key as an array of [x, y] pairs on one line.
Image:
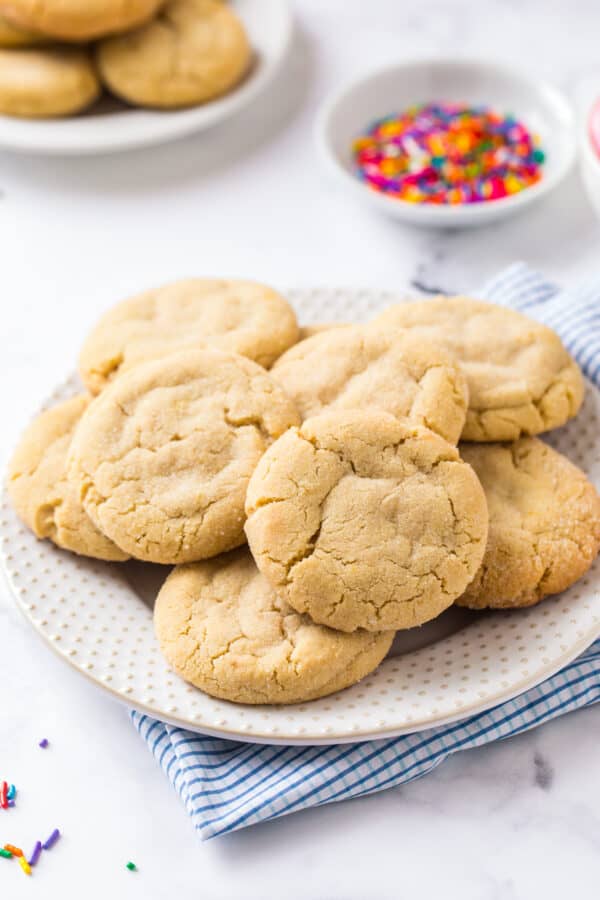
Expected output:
{"points": [[163, 456], [363, 520], [307, 331], [194, 51], [365, 368], [13, 36], [238, 316], [544, 523], [521, 379], [40, 492], [46, 82], [223, 628], [79, 20]]}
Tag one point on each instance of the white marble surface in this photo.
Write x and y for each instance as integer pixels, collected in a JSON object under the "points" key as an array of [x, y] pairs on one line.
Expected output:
{"points": [[517, 820]]}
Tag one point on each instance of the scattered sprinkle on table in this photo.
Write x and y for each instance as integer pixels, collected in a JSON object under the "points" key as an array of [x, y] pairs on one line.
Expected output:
{"points": [[25, 865], [8, 792], [35, 854], [50, 842], [10, 851], [131, 866], [448, 153], [43, 743]]}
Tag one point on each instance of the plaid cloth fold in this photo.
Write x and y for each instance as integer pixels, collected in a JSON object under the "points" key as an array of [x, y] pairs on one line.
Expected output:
{"points": [[226, 785]]}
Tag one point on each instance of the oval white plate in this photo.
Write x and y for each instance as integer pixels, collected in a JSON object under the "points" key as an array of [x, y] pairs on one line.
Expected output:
{"points": [[396, 87], [110, 126], [98, 617]]}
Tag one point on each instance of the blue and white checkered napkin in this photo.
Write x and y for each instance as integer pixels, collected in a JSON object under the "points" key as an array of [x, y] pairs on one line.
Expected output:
{"points": [[227, 785]]}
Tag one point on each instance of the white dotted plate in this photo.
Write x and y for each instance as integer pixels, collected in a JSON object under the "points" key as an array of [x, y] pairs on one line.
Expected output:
{"points": [[98, 617]]}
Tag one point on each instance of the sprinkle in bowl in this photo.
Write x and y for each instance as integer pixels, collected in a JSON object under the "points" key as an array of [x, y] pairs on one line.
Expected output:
{"points": [[393, 94]]}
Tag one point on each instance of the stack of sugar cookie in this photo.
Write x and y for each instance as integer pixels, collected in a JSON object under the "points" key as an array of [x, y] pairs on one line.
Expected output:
{"points": [[308, 485], [56, 56]]}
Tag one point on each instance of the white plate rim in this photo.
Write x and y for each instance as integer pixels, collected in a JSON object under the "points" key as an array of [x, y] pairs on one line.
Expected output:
{"points": [[256, 737], [340, 734]]}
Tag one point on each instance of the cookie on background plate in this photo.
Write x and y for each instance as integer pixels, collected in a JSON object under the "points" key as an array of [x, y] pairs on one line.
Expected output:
{"points": [[238, 316], [78, 20], [364, 368], [45, 82], [223, 628], [162, 458], [363, 520], [194, 51], [13, 36], [40, 492], [544, 523], [522, 381]]}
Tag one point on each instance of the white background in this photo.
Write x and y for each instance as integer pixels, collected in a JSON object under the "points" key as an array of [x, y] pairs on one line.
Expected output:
{"points": [[518, 820]]}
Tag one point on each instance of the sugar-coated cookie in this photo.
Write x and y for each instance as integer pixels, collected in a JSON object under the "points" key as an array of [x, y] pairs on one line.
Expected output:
{"points": [[46, 82], [365, 368], [307, 331], [13, 36], [163, 456], [363, 520], [222, 627], [544, 529], [239, 316], [40, 491], [194, 51], [79, 20], [521, 379]]}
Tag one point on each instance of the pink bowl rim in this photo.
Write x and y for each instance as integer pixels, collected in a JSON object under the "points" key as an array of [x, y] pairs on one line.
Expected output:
{"points": [[591, 151]]}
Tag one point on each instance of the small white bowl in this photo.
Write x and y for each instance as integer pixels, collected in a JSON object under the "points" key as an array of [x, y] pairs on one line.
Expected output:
{"points": [[590, 157], [543, 109]]}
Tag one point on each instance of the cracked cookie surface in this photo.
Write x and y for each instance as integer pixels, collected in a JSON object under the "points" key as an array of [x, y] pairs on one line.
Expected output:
{"points": [[40, 492], [363, 367], [223, 628], [163, 456], [544, 529], [194, 51], [38, 83], [362, 520], [237, 316], [79, 20], [522, 381]]}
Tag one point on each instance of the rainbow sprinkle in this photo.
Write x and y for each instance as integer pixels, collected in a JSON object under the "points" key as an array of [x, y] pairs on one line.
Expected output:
{"points": [[9, 851], [35, 854], [50, 842], [448, 153], [8, 793], [24, 865]]}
